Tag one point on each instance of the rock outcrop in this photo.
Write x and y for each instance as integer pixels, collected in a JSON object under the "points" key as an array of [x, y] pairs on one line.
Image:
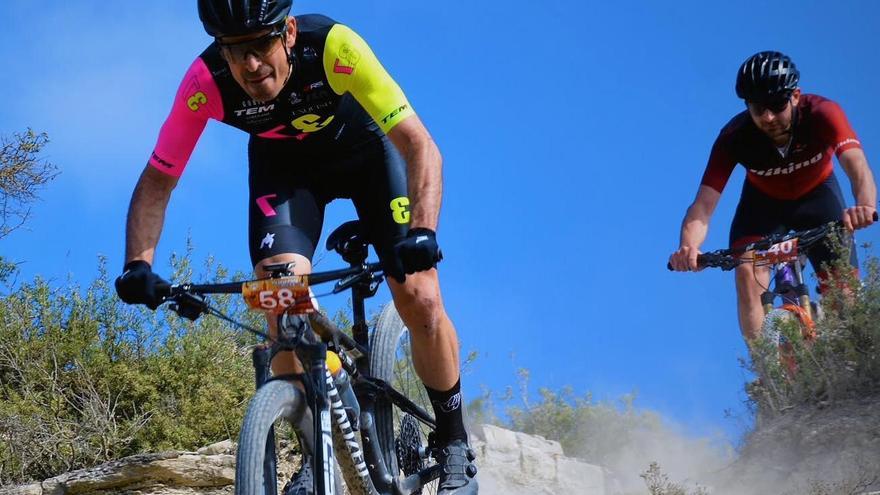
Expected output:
{"points": [[510, 463], [519, 464]]}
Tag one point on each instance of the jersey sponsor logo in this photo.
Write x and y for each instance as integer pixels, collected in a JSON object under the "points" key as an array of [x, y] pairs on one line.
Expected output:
{"points": [[342, 69], [255, 110], [792, 167], [294, 98], [311, 122], [309, 53], [347, 59], [846, 142], [156, 158], [394, 114], [313, 86], [196, 101], [312, 108]]}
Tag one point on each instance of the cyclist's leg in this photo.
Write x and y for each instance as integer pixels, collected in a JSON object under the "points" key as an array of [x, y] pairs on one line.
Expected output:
{"points": [[822, 205], [418, 300], [285, 220], [757, 215]]}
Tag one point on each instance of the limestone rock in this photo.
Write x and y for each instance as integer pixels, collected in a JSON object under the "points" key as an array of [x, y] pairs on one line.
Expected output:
{"points": [[509, 463], [514, 463]]}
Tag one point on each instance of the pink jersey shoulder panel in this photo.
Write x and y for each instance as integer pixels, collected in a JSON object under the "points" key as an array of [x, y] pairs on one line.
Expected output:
{"points": [[197, 100]]}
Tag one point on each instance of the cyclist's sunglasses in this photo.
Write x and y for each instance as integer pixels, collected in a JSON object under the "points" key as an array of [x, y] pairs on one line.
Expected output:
{"points": [[260, 47], [776, 105]]}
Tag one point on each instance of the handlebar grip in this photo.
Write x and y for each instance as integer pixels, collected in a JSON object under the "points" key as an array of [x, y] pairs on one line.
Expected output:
{"points": [[669, 267], [876, 216], [163, 289]]}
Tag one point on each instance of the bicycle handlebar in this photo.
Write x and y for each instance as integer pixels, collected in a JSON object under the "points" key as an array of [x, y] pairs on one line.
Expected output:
{"points": [[728, 259], [172, 290]]}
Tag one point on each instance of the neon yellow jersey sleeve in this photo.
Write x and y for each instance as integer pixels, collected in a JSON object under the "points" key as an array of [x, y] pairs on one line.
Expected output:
{"points": [[352, 67]]}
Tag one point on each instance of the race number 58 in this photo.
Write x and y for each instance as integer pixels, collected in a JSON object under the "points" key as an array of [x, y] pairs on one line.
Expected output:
{"points": [[280, 299]]}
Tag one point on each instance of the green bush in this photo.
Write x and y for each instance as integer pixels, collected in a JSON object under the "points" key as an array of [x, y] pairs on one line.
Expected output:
{"points": [[85, 378], [843, 362]]}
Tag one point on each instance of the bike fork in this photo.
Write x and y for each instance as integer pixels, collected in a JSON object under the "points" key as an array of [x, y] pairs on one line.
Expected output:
{"points": [[262, 356], [802, 291], [322, 457]]}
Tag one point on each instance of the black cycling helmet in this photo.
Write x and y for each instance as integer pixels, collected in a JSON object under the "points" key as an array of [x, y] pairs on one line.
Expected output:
{"points": [[766, 76], [238, 17]]}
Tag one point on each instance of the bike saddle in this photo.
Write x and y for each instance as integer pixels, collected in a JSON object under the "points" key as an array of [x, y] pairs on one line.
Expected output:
{"points": [[349, 241]]}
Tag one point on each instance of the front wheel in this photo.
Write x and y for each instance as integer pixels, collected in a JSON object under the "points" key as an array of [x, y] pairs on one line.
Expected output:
{"points": [[401, 437], [255, 474]]}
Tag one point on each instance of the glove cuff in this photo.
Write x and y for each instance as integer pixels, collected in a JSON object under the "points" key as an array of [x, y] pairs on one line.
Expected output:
{"points": [[417, 231], [136, 265]]}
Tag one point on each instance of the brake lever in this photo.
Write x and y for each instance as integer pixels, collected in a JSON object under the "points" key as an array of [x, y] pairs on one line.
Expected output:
{"points": [[189, 306], [348, 282]]}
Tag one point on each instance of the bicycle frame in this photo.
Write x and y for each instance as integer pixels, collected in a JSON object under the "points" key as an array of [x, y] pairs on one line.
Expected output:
{"points": [[362, 279], [788, 273]]}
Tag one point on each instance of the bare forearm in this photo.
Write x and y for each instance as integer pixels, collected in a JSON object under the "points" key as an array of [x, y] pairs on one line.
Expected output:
{"points": [[861, 179], [425, 185], [864, 188], [694, 227], [146, 214], [424, 170]]}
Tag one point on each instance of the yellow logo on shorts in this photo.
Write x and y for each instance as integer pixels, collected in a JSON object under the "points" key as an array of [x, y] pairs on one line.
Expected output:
{"points": [[400, 209]]}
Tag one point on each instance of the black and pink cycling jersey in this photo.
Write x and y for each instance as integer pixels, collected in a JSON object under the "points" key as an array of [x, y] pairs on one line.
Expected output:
{"points": [[819, 130], [338, 97]]}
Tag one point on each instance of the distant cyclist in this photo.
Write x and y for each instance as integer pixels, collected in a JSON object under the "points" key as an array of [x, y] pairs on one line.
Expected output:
{"points": [[325, 121], [786, 140]]}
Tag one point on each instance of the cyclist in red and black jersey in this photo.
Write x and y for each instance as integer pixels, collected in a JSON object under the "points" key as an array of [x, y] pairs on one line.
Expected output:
{"points": [[325, 121], [786, 140]]}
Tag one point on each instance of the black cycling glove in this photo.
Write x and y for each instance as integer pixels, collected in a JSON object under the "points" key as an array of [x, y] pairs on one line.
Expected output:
{"points": [[137, 284], [417, 252]]}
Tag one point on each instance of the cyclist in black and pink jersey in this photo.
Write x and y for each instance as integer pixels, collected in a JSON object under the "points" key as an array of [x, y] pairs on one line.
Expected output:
{"points": [[325, 121], [786, 141]]}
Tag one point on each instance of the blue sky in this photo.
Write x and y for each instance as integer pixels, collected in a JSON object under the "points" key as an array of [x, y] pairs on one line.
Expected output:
{"points": [[574, 136]]}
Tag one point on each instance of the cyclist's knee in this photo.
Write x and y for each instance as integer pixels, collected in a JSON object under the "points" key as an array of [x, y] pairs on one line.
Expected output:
{"points": [[418, 301], [301, 264]]}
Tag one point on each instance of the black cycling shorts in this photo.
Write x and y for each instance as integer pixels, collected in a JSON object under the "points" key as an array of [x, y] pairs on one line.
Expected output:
{"points": [[288, 193], [759, 215]]}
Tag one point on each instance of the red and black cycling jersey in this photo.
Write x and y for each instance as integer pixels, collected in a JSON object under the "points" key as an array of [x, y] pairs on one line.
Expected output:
{"points": [[819, 129]]}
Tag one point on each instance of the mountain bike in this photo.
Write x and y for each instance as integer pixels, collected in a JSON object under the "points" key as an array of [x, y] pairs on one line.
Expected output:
{"points": [[785, 254], [392, 456]]}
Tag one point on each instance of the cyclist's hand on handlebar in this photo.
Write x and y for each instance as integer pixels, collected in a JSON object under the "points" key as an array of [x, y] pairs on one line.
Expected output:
{"points": [[137, 284], [859, 217], [417, 252], [685, 259]]}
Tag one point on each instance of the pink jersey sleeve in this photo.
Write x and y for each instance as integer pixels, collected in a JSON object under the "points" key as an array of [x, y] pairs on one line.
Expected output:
{"points": [[840, 134], [197, 100]]}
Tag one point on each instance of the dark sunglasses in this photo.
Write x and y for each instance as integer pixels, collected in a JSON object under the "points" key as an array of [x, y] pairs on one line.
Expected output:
{"points": [[260, 47], [776, 105]]}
